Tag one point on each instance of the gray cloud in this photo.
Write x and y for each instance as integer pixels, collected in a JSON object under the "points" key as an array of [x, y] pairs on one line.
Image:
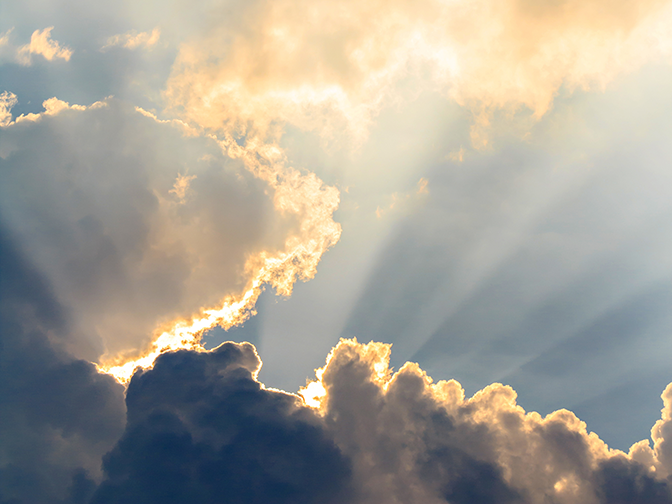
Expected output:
{"points": [[89, 195], [201, 429], [58, 416]]}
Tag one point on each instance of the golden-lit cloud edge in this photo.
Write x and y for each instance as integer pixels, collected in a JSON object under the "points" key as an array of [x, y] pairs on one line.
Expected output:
{"points": [[409, 439], [302, 195], [242, 86], [358, 377]]}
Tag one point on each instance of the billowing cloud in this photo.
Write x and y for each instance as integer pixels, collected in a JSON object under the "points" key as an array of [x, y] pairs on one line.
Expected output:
{"points": [[151, 224], [7, 101], [134, 40], [201, 426], [40, 44], [202, 429], [52, 106]]}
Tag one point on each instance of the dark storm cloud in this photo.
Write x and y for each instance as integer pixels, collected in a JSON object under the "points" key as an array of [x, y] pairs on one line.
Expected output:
{"points": [[620, 482], [201, 429], [58, 416]]}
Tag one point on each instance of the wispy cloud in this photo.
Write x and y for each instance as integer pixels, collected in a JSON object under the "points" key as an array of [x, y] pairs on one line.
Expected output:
{"points": [[400, 200], [486, 55], [134, 40], [181, 186]]}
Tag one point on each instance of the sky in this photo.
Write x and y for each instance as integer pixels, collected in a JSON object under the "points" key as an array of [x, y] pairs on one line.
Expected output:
{"points": [[299, 251]]}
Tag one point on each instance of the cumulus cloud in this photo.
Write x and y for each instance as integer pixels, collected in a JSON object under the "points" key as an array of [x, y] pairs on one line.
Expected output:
{"points": [[52, 106], [7, 102], [265, 68], [202, 429], [200, 426], [134, 40], [137, 226], [42, 44], [328, 67]]}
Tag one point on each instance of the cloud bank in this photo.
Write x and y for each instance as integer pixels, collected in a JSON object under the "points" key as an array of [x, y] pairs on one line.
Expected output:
{"points": [[200, 426]]}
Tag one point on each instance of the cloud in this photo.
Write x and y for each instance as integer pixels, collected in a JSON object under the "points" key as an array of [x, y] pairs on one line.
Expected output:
{"points": [[59, 416], [134, 40], [202, 429], [7, 102], [401, 201], [87, 192], [320, 67], [41, 43], [265, 69], [200, 426], [181, 186], [413, 440], [52, 106]]}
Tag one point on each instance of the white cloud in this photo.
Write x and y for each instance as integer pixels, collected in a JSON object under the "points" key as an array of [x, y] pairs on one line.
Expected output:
{"points": [[320, 66]]}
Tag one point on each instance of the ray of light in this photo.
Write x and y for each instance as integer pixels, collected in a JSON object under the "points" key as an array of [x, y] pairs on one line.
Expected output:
{"points": [[301, 194]]}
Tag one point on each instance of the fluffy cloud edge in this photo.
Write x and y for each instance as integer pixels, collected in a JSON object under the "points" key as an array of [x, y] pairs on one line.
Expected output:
{"points": [[400, 437]]}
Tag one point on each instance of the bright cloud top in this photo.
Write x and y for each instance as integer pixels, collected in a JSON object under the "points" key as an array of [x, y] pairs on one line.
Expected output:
{"points": [[326, 66], [52, 106], [399, 438]]}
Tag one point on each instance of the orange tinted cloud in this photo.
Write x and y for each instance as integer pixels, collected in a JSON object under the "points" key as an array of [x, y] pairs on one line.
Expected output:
{"points": [[400, 428], [41, 43], [330, 66]]}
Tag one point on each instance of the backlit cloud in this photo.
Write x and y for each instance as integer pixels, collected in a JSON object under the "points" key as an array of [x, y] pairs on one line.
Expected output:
{"points": [[200, 419], [328, 67], [140, 230], [122, 242]]}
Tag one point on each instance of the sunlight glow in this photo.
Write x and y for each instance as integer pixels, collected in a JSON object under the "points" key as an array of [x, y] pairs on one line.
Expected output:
{"points": [[297, 193]]}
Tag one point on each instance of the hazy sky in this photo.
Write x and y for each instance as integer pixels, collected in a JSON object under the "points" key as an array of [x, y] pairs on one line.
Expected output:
{"points": [[484, 184]]}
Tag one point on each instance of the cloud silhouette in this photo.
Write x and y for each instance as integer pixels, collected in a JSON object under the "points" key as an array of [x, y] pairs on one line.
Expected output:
{"points": [[202, 429]]}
